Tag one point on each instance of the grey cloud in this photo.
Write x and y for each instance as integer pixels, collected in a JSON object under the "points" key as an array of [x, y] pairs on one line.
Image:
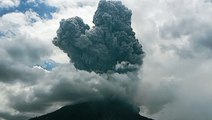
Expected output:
{"points": [[155, 97], [19, 54], [109, 42], [187, 108], [8, 116], [12, 72], [24, 49], [65, 84], [195, 26], [172, 31], [203, 39], [22, 103], [86, 3], [190, 100]]}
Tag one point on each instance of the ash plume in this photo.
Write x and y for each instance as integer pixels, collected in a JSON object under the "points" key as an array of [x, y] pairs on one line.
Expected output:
{"points": [[109, 46]]}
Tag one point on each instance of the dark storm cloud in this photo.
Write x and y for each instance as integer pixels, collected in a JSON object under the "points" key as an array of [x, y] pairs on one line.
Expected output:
{"points": [[109, 45], [8, 116]]}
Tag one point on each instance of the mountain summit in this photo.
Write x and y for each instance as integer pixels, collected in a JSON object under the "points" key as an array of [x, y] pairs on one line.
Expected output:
{"points": [[96, 110]]}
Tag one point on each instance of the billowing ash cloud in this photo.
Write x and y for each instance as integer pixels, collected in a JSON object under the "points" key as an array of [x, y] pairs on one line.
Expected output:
{"points": [[109, 46]]}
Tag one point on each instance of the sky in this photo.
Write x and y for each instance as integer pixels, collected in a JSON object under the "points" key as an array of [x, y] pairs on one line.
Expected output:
{"points": [[174, 81]]}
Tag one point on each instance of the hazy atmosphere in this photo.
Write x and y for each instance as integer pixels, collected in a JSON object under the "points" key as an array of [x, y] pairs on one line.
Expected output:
{"points": [[168, 75]]}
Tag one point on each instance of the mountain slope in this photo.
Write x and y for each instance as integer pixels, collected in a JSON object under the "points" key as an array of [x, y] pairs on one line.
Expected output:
{"points": [[95, 110]]}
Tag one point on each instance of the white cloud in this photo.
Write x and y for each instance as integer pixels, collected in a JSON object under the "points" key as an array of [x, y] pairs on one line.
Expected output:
{"points": [[176, 78], [9, 3], [177, 41]]}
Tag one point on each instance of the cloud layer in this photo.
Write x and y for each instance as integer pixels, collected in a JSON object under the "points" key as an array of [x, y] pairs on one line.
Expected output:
{"points": [[176, 78]]}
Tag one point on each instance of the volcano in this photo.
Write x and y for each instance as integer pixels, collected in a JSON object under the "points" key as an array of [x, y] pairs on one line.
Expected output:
{"points": [[110, 46], [96, 110]]}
